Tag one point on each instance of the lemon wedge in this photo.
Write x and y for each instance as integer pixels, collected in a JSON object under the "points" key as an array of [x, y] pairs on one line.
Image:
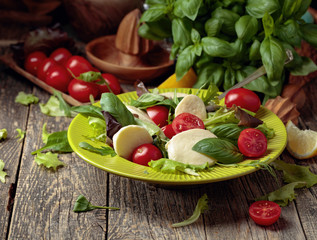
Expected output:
{"points": [[301, 144], [187, 81]]}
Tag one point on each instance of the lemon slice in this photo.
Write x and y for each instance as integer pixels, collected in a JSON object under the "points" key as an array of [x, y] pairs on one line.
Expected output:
{"points": [[187, 81], [302, 144]]}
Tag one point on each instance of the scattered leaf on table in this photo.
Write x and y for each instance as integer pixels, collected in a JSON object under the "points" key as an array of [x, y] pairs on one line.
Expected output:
{"points": [[49, 160], [3, 134], [3, 174], [83, 205], [21, 134], [26, 99]]}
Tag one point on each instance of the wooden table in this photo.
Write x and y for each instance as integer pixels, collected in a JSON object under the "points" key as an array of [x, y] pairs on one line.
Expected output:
{"points": [[37, 203]]}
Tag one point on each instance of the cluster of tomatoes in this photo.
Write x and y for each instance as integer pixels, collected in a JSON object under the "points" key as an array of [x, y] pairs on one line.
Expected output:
{"points": [[60, 70]]}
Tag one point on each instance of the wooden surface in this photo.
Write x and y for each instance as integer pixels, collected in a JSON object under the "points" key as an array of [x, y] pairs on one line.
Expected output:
{"points": [[40, 202]]}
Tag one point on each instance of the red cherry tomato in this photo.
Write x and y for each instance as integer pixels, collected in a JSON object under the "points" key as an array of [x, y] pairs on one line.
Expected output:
{"points": [[77, 65], [58, 77], [159, 114], [33, 60], [244, 98], [252, 142], [113, 82], [264, 212], [168, 131], [186, 121], [60, 55], [81, 90], [45, 67], [145, 153]]}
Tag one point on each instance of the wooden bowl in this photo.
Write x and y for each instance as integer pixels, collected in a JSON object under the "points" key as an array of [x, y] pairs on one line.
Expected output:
{"points": [[128, 68]]}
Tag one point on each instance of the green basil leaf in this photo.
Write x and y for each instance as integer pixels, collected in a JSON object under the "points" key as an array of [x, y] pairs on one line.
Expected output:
{"points": [[273, 57], [213, 26], [181, 31], [246, 27], [145, 31], [302, 9], [290, 7], [297, 60], [308, 66], [195, 36], [289, 32], [185, 61], [254, 53], [56, 141], [88, 110], [228, 130], [211, 73], [228, 18], [258, 8], [229, 78], [154, 13], [217, 47], [309, 33], [190, 8], [111, 103], [268, 24], [221, 150]]}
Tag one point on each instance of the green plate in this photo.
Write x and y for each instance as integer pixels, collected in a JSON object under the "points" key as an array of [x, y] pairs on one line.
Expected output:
{"points": [[79, 128]]}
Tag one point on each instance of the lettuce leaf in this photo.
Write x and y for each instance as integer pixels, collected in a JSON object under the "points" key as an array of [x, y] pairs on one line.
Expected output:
{"points": [[3, 134], [48, 160], [26, 99], [3, 174]]}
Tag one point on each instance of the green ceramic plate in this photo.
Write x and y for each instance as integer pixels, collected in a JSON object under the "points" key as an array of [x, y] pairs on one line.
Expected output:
{"points": [[79, 128]]}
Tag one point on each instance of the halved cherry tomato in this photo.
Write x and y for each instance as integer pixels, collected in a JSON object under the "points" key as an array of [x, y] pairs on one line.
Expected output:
{"points": [[81, 90], [168, 131], [243, 98], [60, 55], [252, 142], [144, 153], [33, 60], [47, 65], [58, 77], [159, 114], [78, 64], [113, 82], [186, 121], [264, 212]]}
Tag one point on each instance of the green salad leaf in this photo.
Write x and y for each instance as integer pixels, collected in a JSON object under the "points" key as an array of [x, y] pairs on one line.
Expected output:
{"points": [[21, 134], [103, 151], [26, 99], [52, 108], [83, 205], [201, 207], [3, 174], [48, 160], [166, 165]]}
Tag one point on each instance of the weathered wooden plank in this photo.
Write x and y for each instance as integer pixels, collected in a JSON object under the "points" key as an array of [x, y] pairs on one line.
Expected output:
{"points": [[44, 198], [12, 116]]}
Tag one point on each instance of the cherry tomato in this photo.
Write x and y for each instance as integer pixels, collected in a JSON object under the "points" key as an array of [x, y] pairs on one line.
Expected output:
{"points": [[58, 77], [145, 153], [45, 67], [33, 60], [264, 212], [81, 90], [77, 65], [186, 121], [252, 142], [113, 84], [159, 114], [244, 98], [168, 131], [60, 55]]}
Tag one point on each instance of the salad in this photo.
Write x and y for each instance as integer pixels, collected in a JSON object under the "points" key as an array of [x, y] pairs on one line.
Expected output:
{"points": [[173, 132]]}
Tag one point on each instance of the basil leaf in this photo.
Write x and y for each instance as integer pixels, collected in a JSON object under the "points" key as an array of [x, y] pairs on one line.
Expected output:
{"points": [[246, 27], [195, 36], [273, 57], [190, 8], [255, 50], [221, 150], [154, 13], [302, 8], [103, 151], [229, 78], [181, 31], [229, 19], [56, 141], [268, 24], [185, 61], [309, 33], [88, 110], [229, 130], [213, 26], [290, 33], [257, 8], [217, 47], [308, 66], [111, 103], [211, 73], [290, 7]]}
